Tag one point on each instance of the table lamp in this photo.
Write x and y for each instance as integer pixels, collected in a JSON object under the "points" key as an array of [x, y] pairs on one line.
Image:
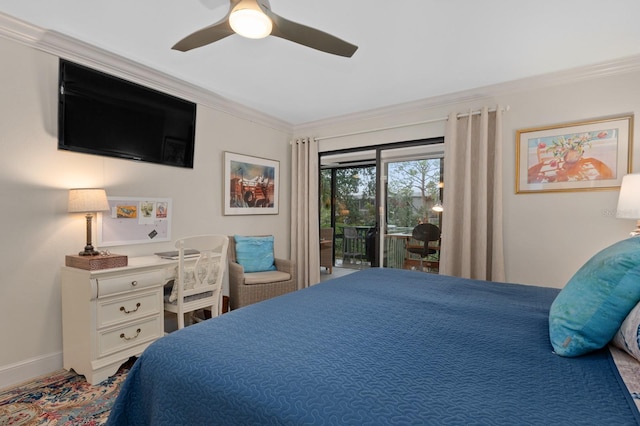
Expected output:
{"points": [[629, 200], [89, 201]]}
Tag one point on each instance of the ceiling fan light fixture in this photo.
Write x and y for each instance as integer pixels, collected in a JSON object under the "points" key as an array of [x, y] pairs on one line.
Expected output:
{"points": [[250, 23]]}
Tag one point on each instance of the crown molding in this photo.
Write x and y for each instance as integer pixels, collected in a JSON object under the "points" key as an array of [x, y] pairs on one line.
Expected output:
{"points": [[70, 48], [17, 30], [573, 75], [63, 46]]}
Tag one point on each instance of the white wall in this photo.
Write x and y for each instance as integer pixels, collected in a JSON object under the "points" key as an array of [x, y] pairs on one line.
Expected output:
{"points": [[36, 230], [548, 236]]}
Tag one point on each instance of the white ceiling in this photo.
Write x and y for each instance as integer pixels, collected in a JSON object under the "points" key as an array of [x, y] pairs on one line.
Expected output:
{"points": [[409, 50]]}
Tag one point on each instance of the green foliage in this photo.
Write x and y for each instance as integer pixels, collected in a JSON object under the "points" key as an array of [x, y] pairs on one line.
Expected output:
{"points": [[412, 191], [406, 179]]}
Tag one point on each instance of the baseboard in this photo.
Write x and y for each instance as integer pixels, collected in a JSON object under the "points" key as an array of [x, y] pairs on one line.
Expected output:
{"points": [[14, 374]]}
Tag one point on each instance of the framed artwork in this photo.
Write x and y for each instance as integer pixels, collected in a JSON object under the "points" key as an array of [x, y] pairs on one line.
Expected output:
{"points": [[251, 185], [580, 156], [135, 220]]}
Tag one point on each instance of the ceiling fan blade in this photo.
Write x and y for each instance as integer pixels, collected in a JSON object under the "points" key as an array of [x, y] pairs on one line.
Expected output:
{"points": [[308, 36], [207, 35]]}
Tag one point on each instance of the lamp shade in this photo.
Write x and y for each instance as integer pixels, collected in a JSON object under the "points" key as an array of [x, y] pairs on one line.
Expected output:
{"points": [[87, 200], [250, 23], [629, 198]]}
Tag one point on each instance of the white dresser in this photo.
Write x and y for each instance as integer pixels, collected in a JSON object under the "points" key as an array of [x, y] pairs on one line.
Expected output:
{"points": [[110, 315]]}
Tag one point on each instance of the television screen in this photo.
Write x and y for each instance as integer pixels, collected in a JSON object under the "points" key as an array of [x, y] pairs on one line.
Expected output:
{"points": [[106, 115]]}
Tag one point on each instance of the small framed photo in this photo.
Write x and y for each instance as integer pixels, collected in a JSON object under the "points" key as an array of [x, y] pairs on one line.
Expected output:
{"points": [[580, 156], [251, 185]]}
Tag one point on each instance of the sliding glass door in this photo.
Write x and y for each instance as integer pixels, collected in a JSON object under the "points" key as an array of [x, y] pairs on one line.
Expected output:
{"points": [[412, 188], [373, 198]]}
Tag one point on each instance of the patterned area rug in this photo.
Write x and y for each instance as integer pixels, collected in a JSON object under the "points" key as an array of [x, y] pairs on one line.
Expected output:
{"points": [[62, 398]]}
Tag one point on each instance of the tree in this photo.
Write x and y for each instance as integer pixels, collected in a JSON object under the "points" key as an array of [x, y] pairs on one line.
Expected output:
{"points": [[355, 195], [407, 178], [325, 198]]}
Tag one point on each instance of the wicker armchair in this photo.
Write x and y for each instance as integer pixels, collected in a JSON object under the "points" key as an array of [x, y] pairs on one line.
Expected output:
{"points": [[326, 249], [246, 288]]}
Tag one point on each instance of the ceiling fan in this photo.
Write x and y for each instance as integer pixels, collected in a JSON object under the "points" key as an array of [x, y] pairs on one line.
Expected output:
{"points": [[254, 19]]}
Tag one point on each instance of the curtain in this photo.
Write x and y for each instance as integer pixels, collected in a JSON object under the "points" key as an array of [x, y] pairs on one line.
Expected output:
{"points": [[472, 240], [305, 239]]}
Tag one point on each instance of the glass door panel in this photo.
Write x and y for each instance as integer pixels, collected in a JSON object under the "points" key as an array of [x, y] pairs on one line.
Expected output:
{"points": [[412, 187], [348, 196]]}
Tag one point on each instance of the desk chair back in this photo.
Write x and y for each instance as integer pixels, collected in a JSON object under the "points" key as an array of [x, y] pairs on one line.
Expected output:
{"points": [[353, 246], [198, 283], [426, 232]]}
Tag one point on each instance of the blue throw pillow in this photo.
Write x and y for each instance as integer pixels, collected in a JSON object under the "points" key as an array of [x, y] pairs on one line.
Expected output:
{"points": [[588, 312], [255, 254]]}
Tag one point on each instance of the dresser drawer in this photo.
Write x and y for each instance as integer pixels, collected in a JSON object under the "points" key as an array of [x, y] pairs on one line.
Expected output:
{"points": [[129, 282], [117, 310], [129, 335]]}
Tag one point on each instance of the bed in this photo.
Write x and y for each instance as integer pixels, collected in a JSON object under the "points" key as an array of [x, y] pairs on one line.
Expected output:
{"points": [[379, 346]]}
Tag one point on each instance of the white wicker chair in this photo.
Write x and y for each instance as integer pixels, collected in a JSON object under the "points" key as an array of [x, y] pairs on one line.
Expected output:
{"points": [[198, 282]]}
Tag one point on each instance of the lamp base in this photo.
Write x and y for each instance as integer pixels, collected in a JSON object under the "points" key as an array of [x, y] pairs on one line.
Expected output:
{"points": [[89, 251]]}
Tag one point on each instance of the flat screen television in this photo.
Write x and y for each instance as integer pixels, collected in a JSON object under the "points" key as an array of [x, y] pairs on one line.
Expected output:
{"points": [[106, 115]]}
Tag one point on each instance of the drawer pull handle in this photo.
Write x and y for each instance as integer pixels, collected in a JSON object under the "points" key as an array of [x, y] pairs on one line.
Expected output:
{"points": [[123, 309], [122, 336], [134, 283]]}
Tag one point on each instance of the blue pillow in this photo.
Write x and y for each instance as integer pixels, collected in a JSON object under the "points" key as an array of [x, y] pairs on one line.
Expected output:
{"points": [[255, 254], [588, 312]]}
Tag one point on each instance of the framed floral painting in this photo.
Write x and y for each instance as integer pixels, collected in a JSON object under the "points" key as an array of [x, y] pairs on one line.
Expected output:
{"points": [[586, 155]]}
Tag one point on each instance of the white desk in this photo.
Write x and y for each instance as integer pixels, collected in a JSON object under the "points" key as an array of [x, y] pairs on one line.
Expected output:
{"points": [[110, 315]]}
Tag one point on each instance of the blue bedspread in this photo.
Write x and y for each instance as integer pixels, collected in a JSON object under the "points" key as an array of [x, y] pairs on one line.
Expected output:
{"points": [[377, 347]]}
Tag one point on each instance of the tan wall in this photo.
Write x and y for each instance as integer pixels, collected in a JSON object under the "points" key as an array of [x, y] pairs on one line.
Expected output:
{"points": [[548, 236], [36, 230]]}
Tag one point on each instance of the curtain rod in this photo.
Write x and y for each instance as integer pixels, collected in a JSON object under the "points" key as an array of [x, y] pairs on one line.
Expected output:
{"points": [[417, 123]]}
